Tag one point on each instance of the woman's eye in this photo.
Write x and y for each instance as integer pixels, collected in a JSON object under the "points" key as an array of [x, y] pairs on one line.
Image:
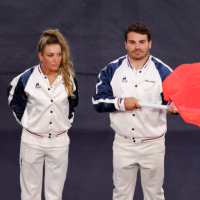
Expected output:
{"points": [[59, 54], [50, 56]]}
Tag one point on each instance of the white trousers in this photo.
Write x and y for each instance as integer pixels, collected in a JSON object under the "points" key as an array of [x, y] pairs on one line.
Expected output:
{"points": [[32, 159], [128, 157]]}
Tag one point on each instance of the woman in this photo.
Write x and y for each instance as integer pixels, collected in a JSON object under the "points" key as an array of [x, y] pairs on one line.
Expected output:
{"points": [[43, 100]]}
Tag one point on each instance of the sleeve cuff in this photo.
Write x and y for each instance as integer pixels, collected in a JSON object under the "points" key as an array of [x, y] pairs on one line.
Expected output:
{"points": [[119, 104]]}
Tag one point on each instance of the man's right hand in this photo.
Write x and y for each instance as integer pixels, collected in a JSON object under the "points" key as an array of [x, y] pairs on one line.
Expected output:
{"points": [[131, 103]]}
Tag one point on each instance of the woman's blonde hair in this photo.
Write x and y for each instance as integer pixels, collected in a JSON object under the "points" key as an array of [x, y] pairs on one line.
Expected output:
{"points": [[66, 66]]}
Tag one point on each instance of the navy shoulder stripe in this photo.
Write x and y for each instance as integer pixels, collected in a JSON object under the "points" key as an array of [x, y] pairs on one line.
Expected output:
{"points": [[25, 77], [112, 67], [107, 74], [163, 70]]}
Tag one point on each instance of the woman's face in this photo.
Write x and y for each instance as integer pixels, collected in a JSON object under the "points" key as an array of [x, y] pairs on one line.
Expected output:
{"points": [[51, 57]]}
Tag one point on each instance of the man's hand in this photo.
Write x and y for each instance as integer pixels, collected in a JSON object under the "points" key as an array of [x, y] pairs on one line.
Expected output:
{"points": [[172, 109], [131, 103]]}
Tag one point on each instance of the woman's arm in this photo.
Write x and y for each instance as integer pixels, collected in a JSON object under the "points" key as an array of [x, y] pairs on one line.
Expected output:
{"points": [[73, 102]]}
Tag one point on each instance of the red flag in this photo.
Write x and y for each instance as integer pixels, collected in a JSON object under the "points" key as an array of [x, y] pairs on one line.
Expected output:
{"points": [[182, 87], [188, 104], [183, 77]]}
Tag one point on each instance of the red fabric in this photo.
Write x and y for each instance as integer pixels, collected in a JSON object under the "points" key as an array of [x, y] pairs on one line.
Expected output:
{"points": [[183, 77], [188, 104], [182, 87]]}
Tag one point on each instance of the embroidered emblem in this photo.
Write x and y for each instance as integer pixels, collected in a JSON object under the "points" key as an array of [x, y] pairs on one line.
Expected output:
{"points": [[124, 79], [37, 85], [150, 81]]}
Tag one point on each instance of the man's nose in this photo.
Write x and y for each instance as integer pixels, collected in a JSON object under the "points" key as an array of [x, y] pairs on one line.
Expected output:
{"points": [[137, 46]]}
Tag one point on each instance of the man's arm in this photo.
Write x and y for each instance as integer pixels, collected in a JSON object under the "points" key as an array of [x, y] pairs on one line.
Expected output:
{"points": [[104, 99], [164, 71]]}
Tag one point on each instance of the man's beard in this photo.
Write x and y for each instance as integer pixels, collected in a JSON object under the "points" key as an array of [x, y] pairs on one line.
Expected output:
{"points": [[141, 56]]}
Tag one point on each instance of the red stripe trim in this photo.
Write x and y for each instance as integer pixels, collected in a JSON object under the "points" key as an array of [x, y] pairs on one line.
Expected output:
{"points": [[34, 133], [39, 69], [144, 66], [128, 62], [118, 102], [153, 138], [60, 133], [146, 63], [42, 136]]}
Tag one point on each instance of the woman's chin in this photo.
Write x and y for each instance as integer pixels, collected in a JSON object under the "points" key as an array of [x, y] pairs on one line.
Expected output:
{"points": [[54, 69]]}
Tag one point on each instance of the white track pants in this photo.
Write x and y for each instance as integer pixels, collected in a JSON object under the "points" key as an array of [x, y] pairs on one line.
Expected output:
{"points": [[32, 159], [128, 157]]}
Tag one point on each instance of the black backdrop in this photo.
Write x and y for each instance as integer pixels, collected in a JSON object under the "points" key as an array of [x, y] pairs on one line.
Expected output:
{"points": [[94, 31]]}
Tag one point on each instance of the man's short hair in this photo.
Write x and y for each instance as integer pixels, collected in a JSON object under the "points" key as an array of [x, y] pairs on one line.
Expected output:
{"points": [[138, 28]]}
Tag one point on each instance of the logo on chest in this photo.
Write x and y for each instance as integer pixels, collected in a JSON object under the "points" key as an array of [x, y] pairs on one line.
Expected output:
{"points": [[37, 85], [150, 81], [124, 79]]}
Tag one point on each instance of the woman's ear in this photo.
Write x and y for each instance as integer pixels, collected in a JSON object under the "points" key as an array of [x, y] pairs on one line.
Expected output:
{"points": [[40, 56]]}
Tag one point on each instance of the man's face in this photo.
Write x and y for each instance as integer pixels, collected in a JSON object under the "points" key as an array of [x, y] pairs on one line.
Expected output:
{"points": [[137, 45]]}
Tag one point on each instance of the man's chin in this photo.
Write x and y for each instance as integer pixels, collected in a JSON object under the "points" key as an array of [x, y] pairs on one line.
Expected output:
{"points": [[138, 57]]}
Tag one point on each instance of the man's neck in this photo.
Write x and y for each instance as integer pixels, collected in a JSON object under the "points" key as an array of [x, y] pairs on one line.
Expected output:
{"points": [[138, 63]]}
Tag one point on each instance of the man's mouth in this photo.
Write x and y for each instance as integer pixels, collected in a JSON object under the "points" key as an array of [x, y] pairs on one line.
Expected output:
{"points": [[137, 52]]}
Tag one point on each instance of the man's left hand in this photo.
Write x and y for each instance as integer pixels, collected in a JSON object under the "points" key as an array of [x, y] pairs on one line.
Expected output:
{"points": [[172, 109]]}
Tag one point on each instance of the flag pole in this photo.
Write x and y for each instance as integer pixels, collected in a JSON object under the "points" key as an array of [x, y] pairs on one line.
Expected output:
{"points": [[150, 105]]}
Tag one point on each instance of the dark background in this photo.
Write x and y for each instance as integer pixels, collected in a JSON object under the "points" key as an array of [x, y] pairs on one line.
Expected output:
{"points": [[94, 30]]}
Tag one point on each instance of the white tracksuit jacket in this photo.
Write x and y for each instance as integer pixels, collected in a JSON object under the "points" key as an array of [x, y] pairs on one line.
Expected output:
{"points": [[39, 107], [119, 80]]}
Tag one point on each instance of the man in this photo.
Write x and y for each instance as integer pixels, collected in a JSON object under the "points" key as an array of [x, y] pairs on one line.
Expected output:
{"points": [[139, 139]]}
